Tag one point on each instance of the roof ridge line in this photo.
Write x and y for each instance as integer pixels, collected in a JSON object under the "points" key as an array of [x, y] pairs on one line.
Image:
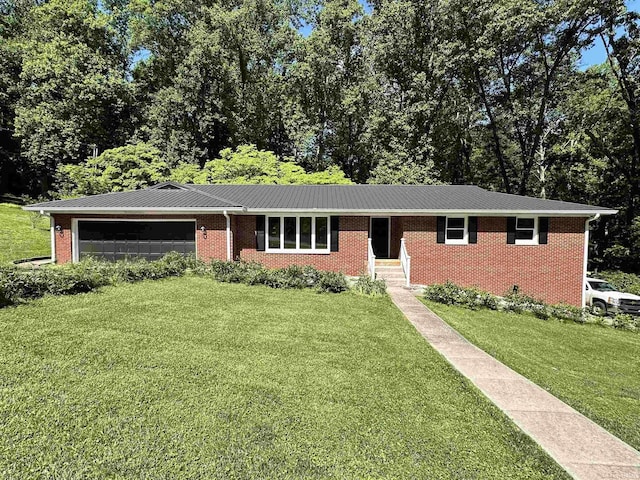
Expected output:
{"points": [[192, 188]]}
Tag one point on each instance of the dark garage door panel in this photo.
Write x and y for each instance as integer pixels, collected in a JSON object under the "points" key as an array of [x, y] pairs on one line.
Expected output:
{"points": [[151, 240]]}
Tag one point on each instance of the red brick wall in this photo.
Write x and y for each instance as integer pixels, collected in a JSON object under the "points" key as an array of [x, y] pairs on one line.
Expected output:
{"points": [[209, 247], [551, 272], [350, 259]]}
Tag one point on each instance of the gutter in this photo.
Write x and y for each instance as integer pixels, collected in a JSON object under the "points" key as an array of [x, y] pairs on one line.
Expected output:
{"points": [[586, 256]]}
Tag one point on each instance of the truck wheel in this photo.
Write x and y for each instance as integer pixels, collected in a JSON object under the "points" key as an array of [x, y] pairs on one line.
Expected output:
{"points": [[599, 308]]}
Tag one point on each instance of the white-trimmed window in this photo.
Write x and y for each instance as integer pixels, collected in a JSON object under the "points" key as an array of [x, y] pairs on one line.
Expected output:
{"points": [[456, 231], [298, 234], [526, 231]]}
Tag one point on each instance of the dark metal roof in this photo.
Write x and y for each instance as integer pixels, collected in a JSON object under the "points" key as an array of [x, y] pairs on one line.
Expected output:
{"points": [[140, 199], [336, 198]]}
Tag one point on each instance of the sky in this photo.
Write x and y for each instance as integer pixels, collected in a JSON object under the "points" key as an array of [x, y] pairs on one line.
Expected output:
{"points": [[596, 54]]}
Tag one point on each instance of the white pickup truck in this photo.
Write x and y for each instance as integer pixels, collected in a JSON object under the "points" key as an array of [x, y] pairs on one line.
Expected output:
{"points": [[604, 298]]}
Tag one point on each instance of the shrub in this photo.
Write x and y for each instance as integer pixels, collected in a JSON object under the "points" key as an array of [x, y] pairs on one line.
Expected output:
{"points": [[451, 294], [625, 321], [365, 285], [19, 285], [563, 311], [518, 303], [332, 282]]}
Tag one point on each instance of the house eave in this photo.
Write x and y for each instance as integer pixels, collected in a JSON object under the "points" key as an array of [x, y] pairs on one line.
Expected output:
{"points": [[129, 211], [415, 212], [345, 212]]}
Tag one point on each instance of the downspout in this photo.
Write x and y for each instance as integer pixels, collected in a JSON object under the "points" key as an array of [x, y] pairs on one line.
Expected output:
{"points": [[53, 236], [586, 256], [226, 215]]}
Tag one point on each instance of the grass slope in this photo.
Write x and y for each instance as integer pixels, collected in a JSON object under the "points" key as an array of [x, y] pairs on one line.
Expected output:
{"points": [[187, 378], [594, 369], [18, 239]]}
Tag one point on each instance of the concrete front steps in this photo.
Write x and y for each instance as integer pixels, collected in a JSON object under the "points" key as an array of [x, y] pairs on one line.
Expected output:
{"points": [[390, 270]]}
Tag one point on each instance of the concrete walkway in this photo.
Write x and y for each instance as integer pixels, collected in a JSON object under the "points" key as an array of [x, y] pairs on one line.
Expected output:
{"points": [[581, 447]]}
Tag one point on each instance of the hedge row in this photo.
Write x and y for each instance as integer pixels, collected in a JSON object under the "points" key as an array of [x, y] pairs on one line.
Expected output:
{"points": [[252, 273], [19, 285], [473, 298]]}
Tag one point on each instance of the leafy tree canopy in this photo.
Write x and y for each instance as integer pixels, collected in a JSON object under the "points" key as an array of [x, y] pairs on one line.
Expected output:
{"points": [[139, 166], [124, 168]]}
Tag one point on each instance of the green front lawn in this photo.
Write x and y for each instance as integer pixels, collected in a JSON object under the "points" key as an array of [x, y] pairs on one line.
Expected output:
{"points": [[188, 378], [18, 238], [594, 369]]}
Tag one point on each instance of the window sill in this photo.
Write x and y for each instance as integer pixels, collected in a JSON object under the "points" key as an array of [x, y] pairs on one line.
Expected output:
{"points": [[298, 251]]}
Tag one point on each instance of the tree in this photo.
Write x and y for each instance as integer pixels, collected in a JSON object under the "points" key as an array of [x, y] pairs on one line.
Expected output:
{"points": [[11, 26], [519, 58], [225, 86], [73, 92], [119, 169], [327, 105], [249, 165], [407, 48]]}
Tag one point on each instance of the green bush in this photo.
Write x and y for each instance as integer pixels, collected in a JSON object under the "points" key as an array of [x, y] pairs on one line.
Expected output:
{"points": [[332, 282], [624, 321], [365, 285], [293, 276], [20, 285], [451, 294]]}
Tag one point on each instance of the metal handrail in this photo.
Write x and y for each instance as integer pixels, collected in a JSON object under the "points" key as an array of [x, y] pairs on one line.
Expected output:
{"points": [[371, 258], [405, 261]]}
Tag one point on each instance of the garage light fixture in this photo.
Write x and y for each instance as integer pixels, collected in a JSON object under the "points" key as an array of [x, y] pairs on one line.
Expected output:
{"points": [[203, 229], [59, 229]]}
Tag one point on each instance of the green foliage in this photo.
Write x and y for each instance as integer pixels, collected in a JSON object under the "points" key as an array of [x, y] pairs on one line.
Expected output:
{"points": [[365, 285], [452, 294], [472, 298], [462, 92], [332, 282], [18, 285], [73, 92], [138, 166], [124, 168], [293, 276], [625, 321], [247, 164]]}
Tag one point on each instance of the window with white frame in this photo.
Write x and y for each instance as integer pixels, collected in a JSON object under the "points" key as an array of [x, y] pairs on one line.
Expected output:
{"points": [[526, 231], [456, 230], [298, 234]]}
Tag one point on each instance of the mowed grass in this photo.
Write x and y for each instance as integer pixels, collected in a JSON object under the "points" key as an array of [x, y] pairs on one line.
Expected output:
{"points": [[188, 378], [594, 369], [18, 238]]}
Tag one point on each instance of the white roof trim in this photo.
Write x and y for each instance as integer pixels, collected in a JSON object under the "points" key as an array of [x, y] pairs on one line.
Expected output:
{"points": [[410, 212], [132, 210], [364, 212]]}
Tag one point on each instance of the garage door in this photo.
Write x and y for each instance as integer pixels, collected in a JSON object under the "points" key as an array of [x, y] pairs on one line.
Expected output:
{"points": [[119, 240]]}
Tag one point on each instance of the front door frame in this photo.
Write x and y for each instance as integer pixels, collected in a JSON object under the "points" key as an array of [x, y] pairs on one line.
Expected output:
{"points": [[388, 231]]}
